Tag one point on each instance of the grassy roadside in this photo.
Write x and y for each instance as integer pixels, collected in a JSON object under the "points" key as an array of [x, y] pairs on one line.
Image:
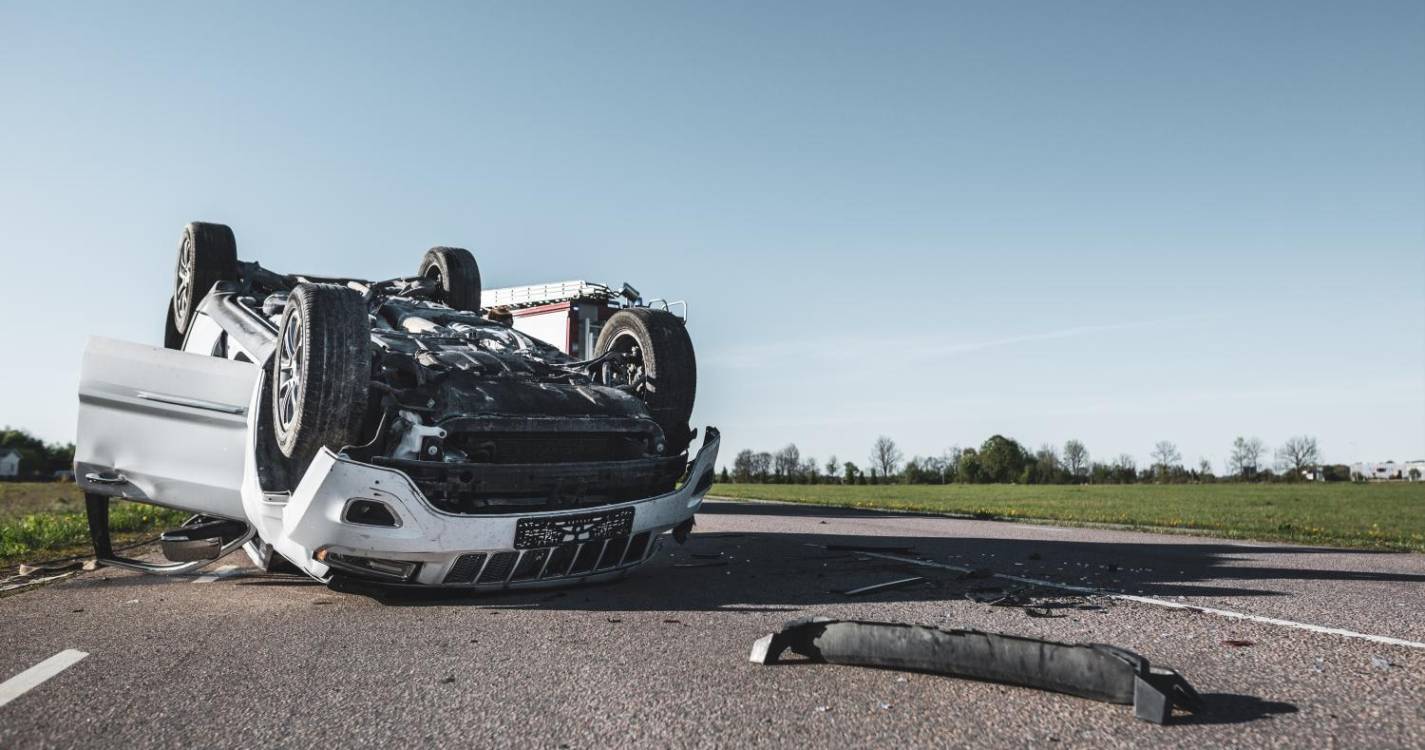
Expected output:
{"points": [[45, 520], [1376, 516]]}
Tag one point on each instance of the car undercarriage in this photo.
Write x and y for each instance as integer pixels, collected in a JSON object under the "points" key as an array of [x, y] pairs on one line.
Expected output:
{"points": [[410, 380]]}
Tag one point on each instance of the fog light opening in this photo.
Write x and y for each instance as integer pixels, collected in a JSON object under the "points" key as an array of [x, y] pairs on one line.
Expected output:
{"points": [[369, 513], [368, 567]]}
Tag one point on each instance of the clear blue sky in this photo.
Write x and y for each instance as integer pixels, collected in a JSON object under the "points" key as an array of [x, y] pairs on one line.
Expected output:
{"points": [[1117, 221]]}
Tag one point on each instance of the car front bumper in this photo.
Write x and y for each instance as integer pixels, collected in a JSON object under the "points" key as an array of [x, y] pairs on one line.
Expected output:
{"points": [[463, 551]]}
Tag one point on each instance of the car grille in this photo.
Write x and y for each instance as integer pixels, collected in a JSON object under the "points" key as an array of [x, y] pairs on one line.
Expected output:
{"points": [[572, 560], [474, 488]]}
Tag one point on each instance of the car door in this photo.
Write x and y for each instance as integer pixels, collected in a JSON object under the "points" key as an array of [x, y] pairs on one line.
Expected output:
{"points": [[163, 426]]}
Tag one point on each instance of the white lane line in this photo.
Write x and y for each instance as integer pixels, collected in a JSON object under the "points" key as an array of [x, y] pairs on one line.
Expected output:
{"points": [[1384, 639], [215, 575], [35, 676]]}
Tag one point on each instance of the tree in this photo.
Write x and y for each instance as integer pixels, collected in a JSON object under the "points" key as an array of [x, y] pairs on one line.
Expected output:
{"points": [[935, 468], [1166, 457], [1125, 469], [851, 472], [810, 471], [913, 473], [787, 463], [1246, 456], [885, 456], [832, 466], [1204, 468], [761, 465], [742, 467], [1044, 469], [1336, 473], [1076, 458], [1298, 454], [952, 463], [1002, 459], [37, 459], [968, 469], [725, 478], [919, 470]]}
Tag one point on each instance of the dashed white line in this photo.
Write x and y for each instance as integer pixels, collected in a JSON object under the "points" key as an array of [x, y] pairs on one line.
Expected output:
{"points": [[1383, 639], [35, 676], [215, 575]]}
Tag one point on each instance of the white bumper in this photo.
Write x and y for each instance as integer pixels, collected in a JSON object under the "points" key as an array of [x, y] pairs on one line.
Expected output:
{"points": [[466, 551]]}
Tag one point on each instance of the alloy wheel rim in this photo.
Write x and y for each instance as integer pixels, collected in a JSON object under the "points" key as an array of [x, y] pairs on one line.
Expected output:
{"points": [[291, 357], [185, 278]]}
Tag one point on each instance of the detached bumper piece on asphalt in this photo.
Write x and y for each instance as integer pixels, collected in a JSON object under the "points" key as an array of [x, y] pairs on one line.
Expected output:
{"points": [[1095, 671]]}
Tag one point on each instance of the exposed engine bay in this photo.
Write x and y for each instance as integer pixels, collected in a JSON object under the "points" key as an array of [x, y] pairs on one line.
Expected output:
{"points": [[482, 417]]}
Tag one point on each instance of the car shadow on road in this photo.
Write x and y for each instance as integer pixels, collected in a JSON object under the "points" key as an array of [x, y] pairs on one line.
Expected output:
{"points": [[725, 570]]}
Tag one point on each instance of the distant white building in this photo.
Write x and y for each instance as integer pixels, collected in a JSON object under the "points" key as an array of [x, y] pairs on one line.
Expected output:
{"points": [[9, 463], [1389, 471]]}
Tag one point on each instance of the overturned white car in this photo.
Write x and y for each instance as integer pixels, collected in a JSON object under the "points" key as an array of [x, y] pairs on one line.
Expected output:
{"points": [[392, 432]]}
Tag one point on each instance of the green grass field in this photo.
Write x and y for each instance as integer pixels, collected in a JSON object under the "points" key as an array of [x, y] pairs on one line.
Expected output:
{"points": [[46, 520], [41, 520], [1380, 516]]}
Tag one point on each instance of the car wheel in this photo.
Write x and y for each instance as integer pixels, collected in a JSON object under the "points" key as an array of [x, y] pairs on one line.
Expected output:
{"points": [[456, 274], [207, 254], [321, 371], [657, 365]]}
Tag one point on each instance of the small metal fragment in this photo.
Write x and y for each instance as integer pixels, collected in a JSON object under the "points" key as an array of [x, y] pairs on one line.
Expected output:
{"points": [[902, 549], [884, 586]]}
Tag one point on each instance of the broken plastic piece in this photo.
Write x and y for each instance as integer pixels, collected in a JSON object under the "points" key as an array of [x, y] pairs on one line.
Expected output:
{"points": [[1095, 671]]}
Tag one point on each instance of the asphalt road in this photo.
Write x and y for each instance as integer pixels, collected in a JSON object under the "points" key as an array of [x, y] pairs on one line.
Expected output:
{"points": [[660, 659]]}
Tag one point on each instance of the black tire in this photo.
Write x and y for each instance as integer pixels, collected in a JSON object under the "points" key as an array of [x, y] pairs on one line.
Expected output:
{"points": [[457, 274], [172, 339], [666, 361], [321, 371], [207, 254]]}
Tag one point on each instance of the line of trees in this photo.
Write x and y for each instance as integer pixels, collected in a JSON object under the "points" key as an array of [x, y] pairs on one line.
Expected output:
{"points": [[1004, 460], [38, 459]]}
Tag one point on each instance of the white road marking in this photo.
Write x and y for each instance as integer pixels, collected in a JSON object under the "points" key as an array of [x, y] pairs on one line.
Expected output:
{"points": [[215, 575], [1383, 639], [35, 676]]}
